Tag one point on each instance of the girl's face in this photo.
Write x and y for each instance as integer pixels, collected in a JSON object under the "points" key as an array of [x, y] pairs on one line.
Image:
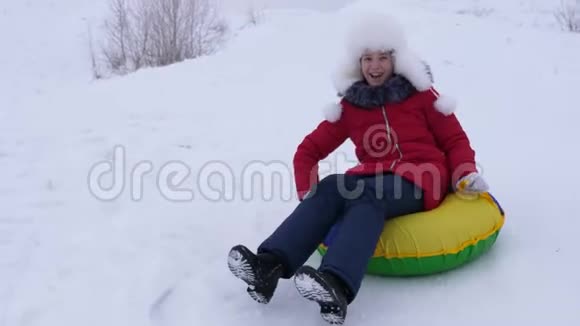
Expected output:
{"points": [[376, 67]]}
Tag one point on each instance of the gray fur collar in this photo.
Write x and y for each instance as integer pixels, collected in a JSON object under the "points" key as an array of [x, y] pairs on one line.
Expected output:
{"points": [[395, 89]]}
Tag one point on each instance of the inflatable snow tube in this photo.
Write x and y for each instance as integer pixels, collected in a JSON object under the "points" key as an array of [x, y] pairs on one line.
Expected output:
{"points": [[456, 232]]}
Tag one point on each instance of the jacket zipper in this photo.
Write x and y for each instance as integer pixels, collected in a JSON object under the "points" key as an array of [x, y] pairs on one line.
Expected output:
{"points": [[390, 139]]}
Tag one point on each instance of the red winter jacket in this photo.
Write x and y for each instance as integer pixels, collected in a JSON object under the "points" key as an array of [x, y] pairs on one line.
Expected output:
{"points": [[410, 138]]}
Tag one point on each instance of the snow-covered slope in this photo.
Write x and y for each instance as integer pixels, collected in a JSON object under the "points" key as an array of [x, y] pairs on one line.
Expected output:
{"points": [[156, 256]]}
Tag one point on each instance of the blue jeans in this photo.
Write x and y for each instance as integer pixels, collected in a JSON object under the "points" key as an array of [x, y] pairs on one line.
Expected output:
{"points": [[361, 204]]}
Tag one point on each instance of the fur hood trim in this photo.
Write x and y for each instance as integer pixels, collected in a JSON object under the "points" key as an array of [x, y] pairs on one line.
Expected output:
{"points": [[379, 32]]}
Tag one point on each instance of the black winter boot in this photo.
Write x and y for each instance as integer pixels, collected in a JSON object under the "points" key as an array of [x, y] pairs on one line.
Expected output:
{"points": [[326, 290], [261, 272]]}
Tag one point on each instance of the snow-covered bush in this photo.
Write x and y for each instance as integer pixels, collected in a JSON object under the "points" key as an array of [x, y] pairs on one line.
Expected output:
{"points": [[568, 15], [152, 33], [254, 13]]}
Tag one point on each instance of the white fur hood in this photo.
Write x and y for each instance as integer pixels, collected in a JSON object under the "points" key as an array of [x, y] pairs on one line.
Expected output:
{"points": [[376, 31]]}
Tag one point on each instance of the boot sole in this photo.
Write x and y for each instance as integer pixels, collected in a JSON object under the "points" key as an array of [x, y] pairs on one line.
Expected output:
{"points": [[239, 265], [312, 287]]}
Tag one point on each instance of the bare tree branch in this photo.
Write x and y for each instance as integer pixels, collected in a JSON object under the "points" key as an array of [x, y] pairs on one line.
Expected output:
{"points": [[568, 15]]}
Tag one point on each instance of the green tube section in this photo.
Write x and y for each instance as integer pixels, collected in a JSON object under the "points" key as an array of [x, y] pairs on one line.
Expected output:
{"points": [[414, 266]]}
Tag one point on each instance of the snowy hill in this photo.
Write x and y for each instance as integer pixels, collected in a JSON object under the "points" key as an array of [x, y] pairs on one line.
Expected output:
{"points": [[155, 256]]}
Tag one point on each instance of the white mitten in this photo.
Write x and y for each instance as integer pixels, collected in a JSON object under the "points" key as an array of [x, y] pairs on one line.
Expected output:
{"points": [[472, 183]]}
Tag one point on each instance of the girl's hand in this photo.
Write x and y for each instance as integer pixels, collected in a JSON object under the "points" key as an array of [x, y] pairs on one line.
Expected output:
{"points": [[472, 183]]}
